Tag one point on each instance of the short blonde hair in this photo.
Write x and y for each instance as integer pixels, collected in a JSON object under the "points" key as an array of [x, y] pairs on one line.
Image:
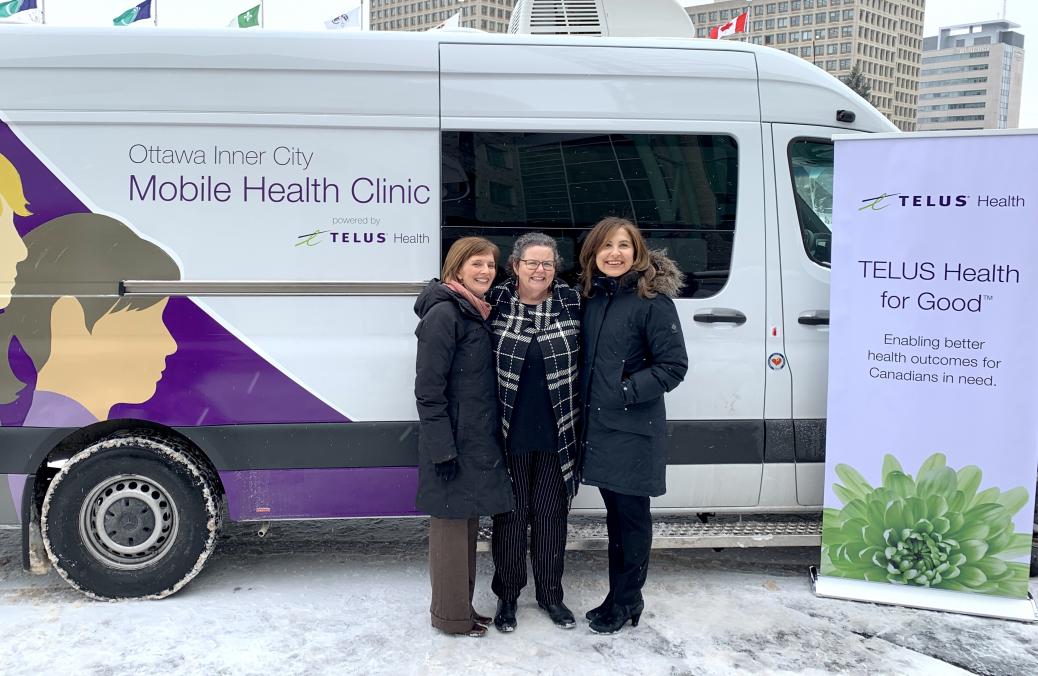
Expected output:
{"points": [[462, 250], [11, 188]]}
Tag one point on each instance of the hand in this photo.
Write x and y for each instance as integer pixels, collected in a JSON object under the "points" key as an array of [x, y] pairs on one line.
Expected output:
{"points": [[447, 470]]}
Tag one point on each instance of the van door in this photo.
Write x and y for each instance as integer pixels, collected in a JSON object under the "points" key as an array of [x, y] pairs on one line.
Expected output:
{"points": [[553, 138], [803, 157]]}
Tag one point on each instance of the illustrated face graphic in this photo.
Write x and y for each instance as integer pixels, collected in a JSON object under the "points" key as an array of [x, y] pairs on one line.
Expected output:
{"points": [[12, 252], [535, 282], [130, 348], [477, 273], [616, 256]]}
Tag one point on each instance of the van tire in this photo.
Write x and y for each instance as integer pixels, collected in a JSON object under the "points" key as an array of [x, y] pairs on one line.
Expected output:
{"points": [[133, 515]]}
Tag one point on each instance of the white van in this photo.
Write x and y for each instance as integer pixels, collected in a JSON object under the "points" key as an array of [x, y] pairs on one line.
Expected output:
{"points": [[222, 234]]}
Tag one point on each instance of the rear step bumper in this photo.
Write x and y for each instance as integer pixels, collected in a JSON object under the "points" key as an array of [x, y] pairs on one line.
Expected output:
{"points": [[672, 532]]}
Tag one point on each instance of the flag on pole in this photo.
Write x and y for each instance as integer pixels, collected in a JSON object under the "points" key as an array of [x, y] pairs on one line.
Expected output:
{"points": [[141, 11], [15, 6], [736, 25], [349, 19], [453, 22], [248, 18]]}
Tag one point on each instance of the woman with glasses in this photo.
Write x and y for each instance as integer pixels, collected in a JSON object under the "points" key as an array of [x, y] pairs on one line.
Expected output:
{"points": [[536, 326]]}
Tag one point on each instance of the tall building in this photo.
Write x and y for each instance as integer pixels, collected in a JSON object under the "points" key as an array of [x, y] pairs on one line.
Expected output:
{"points": [[883, 37], [972, 77], [419, 15]]}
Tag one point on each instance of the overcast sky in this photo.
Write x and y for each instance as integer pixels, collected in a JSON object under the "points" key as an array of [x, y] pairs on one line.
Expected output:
{"points": [[311, 15]]}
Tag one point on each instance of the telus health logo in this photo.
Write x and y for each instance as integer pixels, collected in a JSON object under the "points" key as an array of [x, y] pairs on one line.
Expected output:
{"points": [[939, 201]]}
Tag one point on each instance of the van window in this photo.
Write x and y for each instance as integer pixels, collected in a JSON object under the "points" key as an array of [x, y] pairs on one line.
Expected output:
{"points": [[681, 190], [811, 167]]}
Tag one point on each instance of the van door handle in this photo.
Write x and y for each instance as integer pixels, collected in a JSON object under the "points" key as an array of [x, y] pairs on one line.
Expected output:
{"points": [[719, 315], [814, 318]]}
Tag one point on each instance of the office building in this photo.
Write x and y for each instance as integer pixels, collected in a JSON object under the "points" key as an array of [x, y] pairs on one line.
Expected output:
{"points": [[419, 15], [883, 37], [972, 77]]}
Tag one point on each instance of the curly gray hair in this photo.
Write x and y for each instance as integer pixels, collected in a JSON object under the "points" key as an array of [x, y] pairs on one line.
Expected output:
{"points": [[525, 241]]}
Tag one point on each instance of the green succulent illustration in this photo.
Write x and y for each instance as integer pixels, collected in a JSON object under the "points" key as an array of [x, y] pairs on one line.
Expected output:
{"points": [[936, 530]]}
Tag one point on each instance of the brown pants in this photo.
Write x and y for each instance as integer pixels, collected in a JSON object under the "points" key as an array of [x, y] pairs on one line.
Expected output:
{"points": [[452, 570]]}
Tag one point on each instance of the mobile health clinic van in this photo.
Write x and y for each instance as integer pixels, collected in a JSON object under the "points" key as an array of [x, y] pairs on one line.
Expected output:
{"points": [[212, 241]]}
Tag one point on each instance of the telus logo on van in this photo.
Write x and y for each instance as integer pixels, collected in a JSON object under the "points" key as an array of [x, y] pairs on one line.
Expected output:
{"points": [[880, 202]]}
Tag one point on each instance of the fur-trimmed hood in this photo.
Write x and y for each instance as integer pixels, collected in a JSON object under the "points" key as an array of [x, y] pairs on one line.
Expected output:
{"points": [[669, 278]]}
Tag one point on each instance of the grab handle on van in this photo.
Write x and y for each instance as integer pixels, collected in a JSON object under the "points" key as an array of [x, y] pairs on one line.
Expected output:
{"points": [[720, 315], [814, 318]]}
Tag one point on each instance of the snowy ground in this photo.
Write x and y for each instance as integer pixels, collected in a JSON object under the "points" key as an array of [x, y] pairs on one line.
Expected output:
{"points": [[352, 597]]}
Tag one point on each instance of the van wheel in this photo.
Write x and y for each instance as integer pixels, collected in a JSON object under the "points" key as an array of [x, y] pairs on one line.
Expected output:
{"points": [[131, 516]]}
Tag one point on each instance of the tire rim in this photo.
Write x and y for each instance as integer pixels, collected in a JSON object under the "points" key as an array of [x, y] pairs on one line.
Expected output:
{"points": [[128, 522]]}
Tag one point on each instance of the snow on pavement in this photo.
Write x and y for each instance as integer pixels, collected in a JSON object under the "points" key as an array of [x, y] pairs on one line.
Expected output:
{"points": [[352, 597]]}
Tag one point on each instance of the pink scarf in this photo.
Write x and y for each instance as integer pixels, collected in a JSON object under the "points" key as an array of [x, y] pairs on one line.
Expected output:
{"points": [[481, 305]]}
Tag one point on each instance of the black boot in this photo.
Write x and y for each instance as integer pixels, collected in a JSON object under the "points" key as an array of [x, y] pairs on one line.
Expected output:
{"points": [[616, 618], [504, 620], [559, 614], [595, 613]]}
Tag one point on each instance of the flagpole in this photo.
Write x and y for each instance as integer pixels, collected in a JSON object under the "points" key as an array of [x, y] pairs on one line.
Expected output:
{"points": [[155, 12], [263, 14]]}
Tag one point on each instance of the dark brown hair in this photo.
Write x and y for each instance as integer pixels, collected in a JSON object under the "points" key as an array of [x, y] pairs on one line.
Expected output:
{"points": [[597, 238], [85, 256], [462, 250]]}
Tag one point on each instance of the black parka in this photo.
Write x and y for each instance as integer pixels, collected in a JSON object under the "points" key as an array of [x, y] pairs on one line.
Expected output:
{"points": [[634, 352], [456, 391]]}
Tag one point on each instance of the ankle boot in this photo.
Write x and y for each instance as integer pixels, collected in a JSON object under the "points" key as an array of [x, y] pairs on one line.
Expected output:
{"points": [[602, 609], [504, 620], [617, 617]]}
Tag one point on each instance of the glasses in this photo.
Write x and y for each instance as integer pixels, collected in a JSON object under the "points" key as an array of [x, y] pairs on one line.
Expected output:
{"points": [[532, 265]]}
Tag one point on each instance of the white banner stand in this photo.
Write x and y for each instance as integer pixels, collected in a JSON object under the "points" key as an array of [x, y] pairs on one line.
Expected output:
{"points": [[932, 441], [1022, 610]]}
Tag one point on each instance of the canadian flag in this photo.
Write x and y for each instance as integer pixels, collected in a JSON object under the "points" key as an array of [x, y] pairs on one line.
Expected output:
{"points": [[736, 25]]}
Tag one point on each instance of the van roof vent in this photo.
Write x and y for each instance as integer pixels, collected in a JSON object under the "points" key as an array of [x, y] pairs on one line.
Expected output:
{"points": [[621, 18], [557, 17]]}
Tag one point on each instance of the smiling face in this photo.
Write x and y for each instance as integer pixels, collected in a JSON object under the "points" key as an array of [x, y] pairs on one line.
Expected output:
{"points": [[616, 256], [12, 252], [477, 273], [535, 284]]}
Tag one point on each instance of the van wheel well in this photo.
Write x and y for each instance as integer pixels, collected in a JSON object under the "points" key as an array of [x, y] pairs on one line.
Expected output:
{"points": [[86, 436]]}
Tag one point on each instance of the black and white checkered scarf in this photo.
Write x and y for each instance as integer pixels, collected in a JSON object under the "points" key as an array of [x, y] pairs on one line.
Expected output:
{"points": [[555, 324]]}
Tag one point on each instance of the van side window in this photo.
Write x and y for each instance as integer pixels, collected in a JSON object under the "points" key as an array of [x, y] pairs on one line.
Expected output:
{"points": [[681, 190], [811, 167]]}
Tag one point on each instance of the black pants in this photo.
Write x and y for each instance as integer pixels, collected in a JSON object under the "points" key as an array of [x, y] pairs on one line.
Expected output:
{"points": [[541, 502], [629, 524]]}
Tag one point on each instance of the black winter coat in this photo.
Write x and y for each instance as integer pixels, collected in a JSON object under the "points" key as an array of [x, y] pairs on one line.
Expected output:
{"points": [[456, 391], [634, 352]]}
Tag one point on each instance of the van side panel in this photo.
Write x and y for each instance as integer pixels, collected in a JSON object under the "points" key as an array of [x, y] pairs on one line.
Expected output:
{"points": [[540, 82], [326, 151], [541, 111]]}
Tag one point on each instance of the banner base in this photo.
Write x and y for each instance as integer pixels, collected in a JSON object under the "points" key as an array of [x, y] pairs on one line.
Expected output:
{"points": [[1021, 610]]}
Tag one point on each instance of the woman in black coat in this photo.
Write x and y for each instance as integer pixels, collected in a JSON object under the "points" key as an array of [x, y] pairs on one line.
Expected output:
{"points": [[634, 352], [461, 467]]}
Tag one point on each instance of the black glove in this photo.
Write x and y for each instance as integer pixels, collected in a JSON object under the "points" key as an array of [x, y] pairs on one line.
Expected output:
{"points": [[447, 470]]}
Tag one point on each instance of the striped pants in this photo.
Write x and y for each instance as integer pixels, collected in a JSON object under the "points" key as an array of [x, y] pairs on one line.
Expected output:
{"points": [[540, 502]]}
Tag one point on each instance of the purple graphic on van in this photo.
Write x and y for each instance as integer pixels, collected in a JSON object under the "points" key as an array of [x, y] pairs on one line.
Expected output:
{"points": [[181, 367]]}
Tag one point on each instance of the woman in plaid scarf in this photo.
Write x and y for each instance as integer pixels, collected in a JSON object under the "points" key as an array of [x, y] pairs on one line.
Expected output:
{"points": [[536, 326]]}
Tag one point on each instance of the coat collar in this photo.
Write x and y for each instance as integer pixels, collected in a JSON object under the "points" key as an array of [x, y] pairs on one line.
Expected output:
{"points": [[610, 285]]}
